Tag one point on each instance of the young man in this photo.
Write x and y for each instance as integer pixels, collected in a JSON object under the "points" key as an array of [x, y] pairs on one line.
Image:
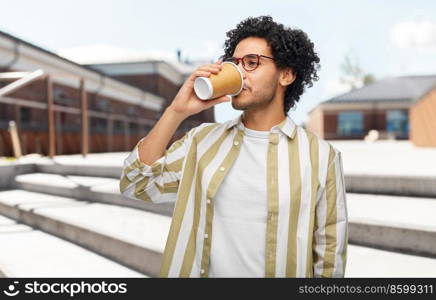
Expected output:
{"points": [[257, 196]]}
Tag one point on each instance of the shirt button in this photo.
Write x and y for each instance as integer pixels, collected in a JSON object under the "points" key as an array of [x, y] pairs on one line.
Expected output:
{"points": [[202, 271], [236, 143], [206, 235], [222, 169], [208, 201]]}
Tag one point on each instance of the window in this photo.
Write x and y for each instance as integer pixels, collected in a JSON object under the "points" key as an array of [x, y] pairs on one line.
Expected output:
{"points": [[132, 111], [5, 115], [72, 123], [104, 105], [397, 121], [60, 97], [350, 123], [134, 129], [98, 125], [25, 117], [119, 127]]}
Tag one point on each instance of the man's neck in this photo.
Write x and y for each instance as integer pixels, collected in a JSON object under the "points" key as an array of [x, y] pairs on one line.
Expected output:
{"points": [[261, 121]]}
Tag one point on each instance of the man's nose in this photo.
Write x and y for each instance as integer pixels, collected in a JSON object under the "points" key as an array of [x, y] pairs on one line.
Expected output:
{"points": [[242, 70]]}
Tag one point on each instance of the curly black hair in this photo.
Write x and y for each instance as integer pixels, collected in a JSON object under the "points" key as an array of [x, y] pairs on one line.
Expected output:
{"points": [[291, 48]]}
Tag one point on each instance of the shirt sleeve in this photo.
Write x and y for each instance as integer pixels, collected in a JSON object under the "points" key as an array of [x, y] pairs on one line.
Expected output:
{"points": [[158, 182], [331, 222]]}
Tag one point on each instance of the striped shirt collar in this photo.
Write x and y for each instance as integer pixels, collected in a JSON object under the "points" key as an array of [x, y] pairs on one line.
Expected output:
{"points": [[287, 126]]}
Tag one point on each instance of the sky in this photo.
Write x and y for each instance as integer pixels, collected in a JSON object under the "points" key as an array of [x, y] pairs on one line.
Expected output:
{"points": [[386, 38]]}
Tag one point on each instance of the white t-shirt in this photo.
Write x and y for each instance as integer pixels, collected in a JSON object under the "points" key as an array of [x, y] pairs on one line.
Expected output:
{"points": [[240, 212]]}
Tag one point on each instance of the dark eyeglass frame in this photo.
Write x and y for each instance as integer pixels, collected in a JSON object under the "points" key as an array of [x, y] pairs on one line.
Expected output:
{"points": [[236, 60]]}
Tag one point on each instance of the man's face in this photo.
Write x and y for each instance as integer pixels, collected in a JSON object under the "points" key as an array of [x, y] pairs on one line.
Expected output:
{"points": [[261, 83]]}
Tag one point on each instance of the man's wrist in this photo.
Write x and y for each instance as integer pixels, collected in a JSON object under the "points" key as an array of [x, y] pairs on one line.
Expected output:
{"points": [[174, 115]]}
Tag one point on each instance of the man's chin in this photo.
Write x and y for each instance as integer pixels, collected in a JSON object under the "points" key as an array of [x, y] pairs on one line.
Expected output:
{"points": [[236, 107], [243, 101], [238, 104]]}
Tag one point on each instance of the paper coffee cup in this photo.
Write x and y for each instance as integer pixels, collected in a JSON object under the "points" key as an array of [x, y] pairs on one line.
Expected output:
{"points": [[228, 81]]}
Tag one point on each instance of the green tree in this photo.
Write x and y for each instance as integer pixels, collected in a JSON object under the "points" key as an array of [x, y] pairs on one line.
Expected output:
{"points": [[352, 74]]}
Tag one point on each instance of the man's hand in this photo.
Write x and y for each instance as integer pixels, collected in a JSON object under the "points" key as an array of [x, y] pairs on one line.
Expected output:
{"points": [[186, 102]]}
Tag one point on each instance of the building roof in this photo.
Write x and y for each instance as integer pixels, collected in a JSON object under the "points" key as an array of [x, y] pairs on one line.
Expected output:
{"points": [[25, 56], [7, 35], [114, 60], [102, 54], [161, 68], [174, 71], [402, 88]]}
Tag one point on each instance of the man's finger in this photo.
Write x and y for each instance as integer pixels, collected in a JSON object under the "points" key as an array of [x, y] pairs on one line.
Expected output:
{"points": [[226, 98]]}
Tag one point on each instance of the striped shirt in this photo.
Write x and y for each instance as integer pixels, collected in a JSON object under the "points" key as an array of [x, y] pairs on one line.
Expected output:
{"points": [[307, 220]]}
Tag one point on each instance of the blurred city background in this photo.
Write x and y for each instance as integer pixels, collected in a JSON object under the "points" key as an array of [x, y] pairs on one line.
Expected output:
{"points": [[81, 82]]}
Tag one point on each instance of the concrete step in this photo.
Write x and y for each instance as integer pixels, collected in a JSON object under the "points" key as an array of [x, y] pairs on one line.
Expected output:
{"points": [[414, 184], [81, 170], [132, 237], [394, 157], [383, 184], [388, 167], [98, 189], [404, 224], [402, 185], [397, 223], [136, 238], [28, 252], [369, 262]]}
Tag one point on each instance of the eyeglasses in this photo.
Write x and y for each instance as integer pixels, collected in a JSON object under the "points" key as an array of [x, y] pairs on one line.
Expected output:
{"points": [[249, 61]]}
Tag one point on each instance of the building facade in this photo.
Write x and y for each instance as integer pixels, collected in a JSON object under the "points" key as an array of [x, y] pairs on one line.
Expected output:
{"points": [[423, 120], [120, 110], [384, 106], [159, 77]]}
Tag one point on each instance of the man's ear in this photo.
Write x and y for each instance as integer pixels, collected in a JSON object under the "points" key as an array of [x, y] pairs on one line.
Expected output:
{"points": [[287, 76]]}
